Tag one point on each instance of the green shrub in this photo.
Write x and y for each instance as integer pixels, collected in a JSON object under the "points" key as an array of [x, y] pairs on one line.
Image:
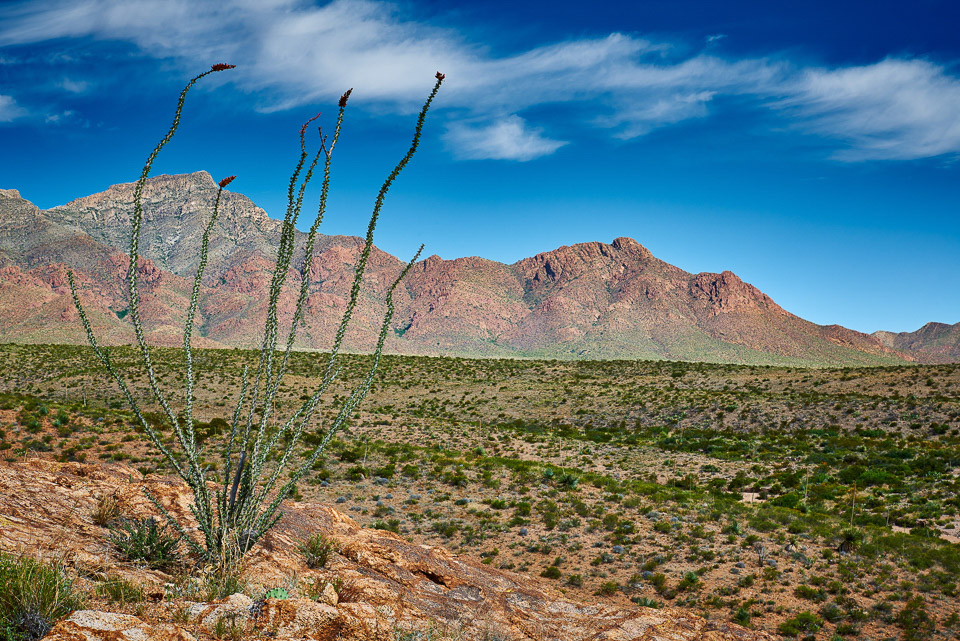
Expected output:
{"points": [[810, 594], [659, 582], [646, 602], [690, 580], [33, 597], [393, 525], [551, 572], [144, 540], [915, 621], [316, 550], [803, 622], [609, 588]]}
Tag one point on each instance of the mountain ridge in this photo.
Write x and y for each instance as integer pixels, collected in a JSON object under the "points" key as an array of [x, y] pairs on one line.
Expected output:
{"points": [[932, 343], [587, 300]]}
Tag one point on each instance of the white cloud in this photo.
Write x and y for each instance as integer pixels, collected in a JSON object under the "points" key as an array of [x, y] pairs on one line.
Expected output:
{"points": [[60, 118], [74, 86], [506, 139], [292, 52], [9, 109], [894, 109], [642, 117]]}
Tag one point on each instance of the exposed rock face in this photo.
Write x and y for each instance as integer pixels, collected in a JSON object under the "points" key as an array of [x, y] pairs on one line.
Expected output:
{"points": [[90, 625], [388, 583], [593, 300], [932, 343]]}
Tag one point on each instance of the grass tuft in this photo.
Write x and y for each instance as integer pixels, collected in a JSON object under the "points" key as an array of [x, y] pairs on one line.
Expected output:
{"points": [[33, 597]]}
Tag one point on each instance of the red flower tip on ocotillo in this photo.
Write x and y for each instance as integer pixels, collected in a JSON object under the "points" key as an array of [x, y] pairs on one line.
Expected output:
{"points": [[221, 66], [343, 98], [441, 76], [226, 181]]}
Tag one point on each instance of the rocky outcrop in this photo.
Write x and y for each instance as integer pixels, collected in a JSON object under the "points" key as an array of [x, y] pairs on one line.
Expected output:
{"points": [[386, 584], [90, 625], [589, 300]]}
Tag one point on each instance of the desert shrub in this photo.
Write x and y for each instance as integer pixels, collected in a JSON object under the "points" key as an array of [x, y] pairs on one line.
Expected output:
{"points": [[316, 550], [646, 602], [659, 582], [803, 622], [551, 572], [144, 540], [259, 449], [393, 525], [916, 623], [810, 594], [690, 580], [608, 588], [663, 527], [33, 597]]}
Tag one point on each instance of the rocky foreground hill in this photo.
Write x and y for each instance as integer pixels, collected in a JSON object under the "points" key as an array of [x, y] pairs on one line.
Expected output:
{"points": [[387, 588], [590, 300]]}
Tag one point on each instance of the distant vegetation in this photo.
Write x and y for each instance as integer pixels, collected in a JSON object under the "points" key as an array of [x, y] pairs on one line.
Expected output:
{"points": [[787, 499]]}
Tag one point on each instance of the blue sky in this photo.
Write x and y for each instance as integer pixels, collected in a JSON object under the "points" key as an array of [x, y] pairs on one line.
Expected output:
{"points": [[810, 147]]}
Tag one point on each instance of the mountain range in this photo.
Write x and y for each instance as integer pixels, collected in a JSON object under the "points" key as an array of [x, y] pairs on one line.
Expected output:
{"points": [[590, 300]]}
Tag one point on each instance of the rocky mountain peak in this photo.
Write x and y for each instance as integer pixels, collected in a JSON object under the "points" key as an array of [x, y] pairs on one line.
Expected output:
{"points": [[726, 292], [630, 246], [591, 299]]}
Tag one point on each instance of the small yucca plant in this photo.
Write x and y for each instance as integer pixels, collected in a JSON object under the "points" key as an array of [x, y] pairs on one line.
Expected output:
{"points": [[146, 541], [316, 550], [233, 518]]}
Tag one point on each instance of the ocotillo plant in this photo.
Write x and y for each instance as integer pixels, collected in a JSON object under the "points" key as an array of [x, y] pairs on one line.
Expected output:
{"points": [[247, 502]]}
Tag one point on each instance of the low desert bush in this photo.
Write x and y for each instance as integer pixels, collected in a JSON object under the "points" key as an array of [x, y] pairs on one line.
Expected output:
{"points": [[316, 550], [144, 540]]}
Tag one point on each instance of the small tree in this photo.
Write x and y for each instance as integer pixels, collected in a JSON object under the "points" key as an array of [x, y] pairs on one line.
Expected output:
{"points": [[247, 504]]}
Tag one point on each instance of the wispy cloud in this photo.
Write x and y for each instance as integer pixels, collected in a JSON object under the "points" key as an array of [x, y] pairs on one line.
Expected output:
{"points": [[9, 109], [74, 86], [59, 118], [292, 52], [506, 139], [894, 109]]}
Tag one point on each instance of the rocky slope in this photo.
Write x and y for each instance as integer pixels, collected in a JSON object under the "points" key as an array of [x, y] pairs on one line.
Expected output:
{"points": [[590, 300], [932, 343], [388, 587]]}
